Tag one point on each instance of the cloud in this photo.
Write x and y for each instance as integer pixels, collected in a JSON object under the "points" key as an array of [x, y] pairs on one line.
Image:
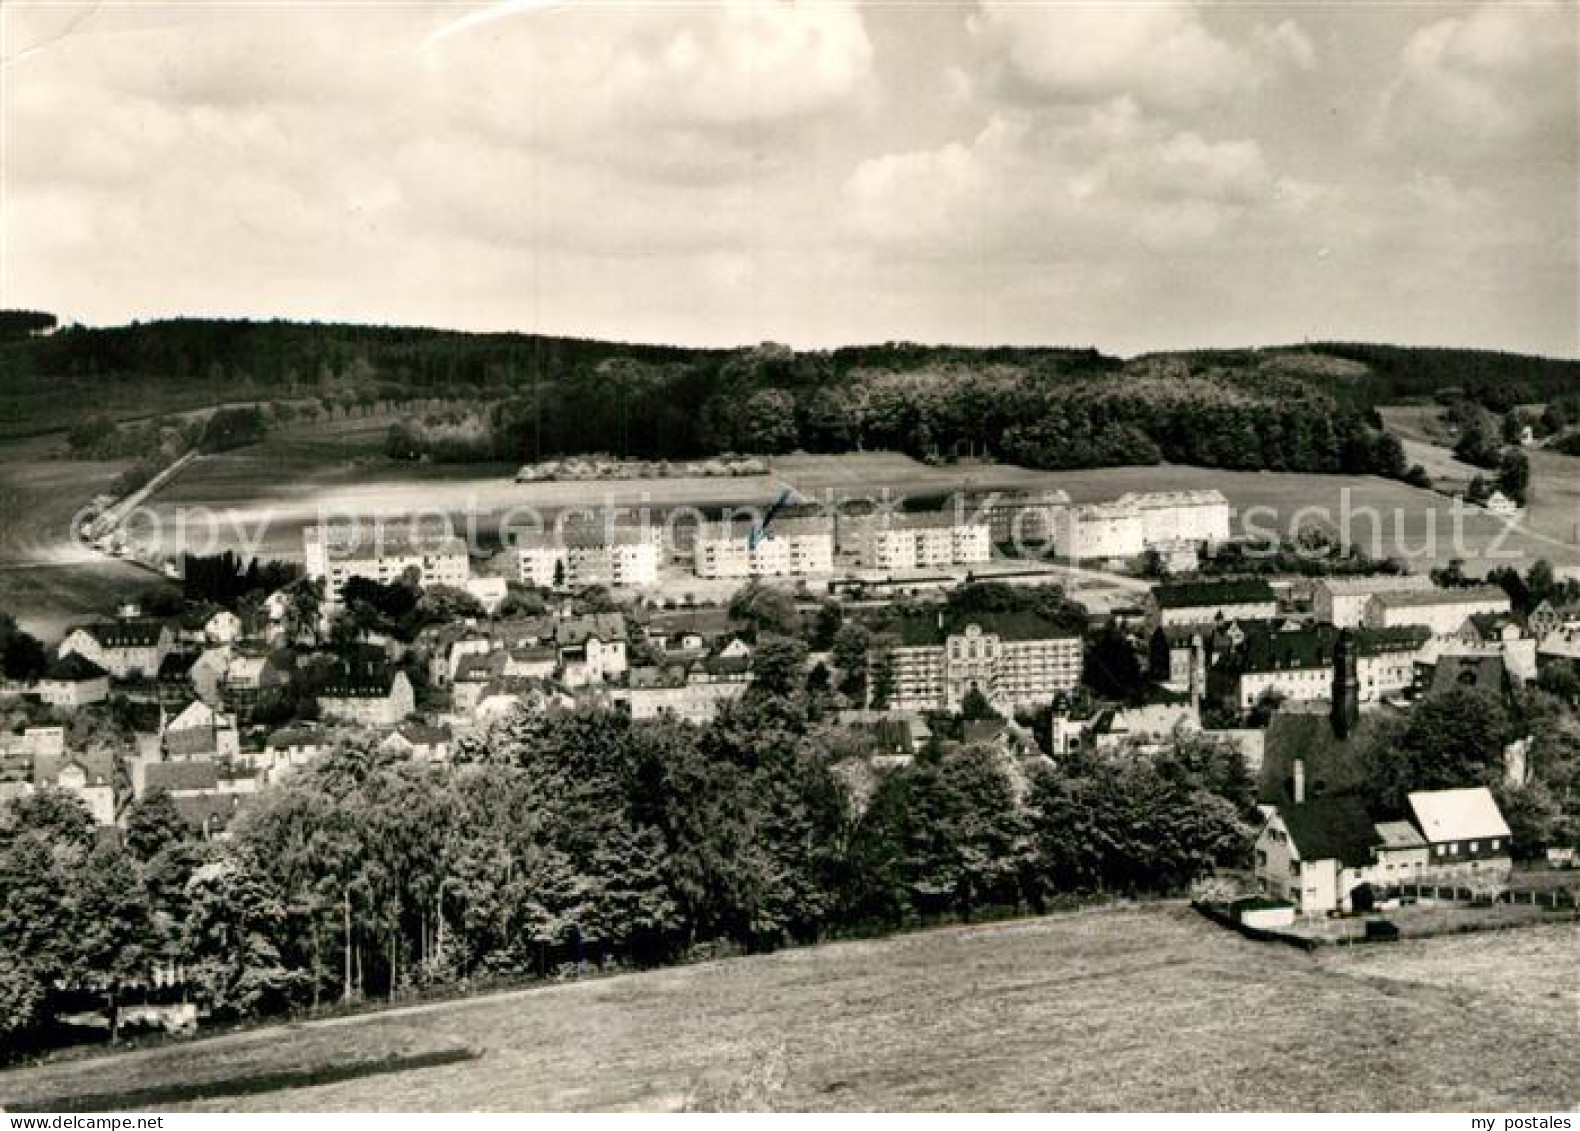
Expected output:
{"points": [[1499, 77], [1161, 55], [1027, 183]]}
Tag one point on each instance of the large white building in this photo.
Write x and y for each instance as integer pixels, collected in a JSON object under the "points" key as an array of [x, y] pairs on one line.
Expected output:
{"points": [[1012, 659], [788, 547], [1101, 530], [920, 540], [1341, 601], [618, 557], [376, 553], [1443, 611], [1198, 517]]}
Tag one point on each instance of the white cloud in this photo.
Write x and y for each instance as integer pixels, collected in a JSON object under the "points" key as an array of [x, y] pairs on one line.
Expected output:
{"points": [[1162, 55], [1106, 176], [1502, 75]]}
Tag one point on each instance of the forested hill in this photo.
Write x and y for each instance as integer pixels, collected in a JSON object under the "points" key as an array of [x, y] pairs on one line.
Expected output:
{"points": [[522, 397]]}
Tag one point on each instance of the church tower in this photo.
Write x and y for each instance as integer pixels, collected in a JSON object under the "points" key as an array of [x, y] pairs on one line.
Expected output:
{"points": [[1346, 686]]}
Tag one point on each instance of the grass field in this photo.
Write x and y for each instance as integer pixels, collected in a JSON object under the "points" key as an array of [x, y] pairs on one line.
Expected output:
{"points": [[1144, 1008], [46, 580]]}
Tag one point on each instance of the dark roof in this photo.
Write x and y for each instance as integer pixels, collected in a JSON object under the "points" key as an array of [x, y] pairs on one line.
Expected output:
{"points": [[1401, 638], [125, 633], [359, 680], [606, 627], [171, 776], [177, 665], [74, 668], [1305, 731], [287, 737], [1282, 650], [1332, 828], [190, 741], [420, 734], [213, 809], [1230, 591], [924, 628]]}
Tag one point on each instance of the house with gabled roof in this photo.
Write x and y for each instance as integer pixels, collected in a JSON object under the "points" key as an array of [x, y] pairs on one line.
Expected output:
{"points": [[131, 648], [73, 681], [368, 692], [1331, 853]]}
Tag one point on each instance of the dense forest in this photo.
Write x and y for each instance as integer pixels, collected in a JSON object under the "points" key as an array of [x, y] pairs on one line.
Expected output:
{"points": [[523, 397]]}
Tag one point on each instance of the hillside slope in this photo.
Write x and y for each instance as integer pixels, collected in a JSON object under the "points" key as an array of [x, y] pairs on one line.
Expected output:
{"points": [[1142, 1009]]}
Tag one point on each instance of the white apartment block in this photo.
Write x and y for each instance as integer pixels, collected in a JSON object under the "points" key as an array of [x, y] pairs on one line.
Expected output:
{"points": [[1101, 530], [930, 540], [791, 547], [382, 555], [619, 557], [1180, 516], [1341, 601]]}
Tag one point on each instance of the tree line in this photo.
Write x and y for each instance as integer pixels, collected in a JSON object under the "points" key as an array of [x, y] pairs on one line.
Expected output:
{"points": [[579, 840]]}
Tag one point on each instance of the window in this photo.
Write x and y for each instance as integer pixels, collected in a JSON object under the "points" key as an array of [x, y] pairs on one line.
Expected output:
{"points": [[1453, 849], [1495, 843], [1440, 850], [1474, 845]]}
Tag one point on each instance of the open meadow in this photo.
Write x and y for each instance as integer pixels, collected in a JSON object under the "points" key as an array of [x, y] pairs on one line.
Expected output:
{"points": [[46, 579], [1149, 1008]]}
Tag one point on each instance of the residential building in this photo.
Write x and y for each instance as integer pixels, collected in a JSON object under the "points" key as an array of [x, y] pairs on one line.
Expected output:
{"points": [[1012, 659], [1442, 611], [1102, 531], [1029, 518], [919, 540], [691, 691], [591, 649], [1341, 601], [1501, 505], [786, 547], [73, 681], [1290, 663], [127, 648], [384, 555], [366, 692], [1167, 517], [1330, 854], [1466, 832], [1203, 602], [90, 783], [419, 741], [582, 556], [1548, 618]]}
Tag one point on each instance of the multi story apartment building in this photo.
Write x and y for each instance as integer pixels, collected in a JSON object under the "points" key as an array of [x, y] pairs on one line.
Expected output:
{"points": [[1167, 517], [1027, 517], [1012, 659], [920, 540], [620, 556], [1101, 530], [786, 547], [381, 554]]}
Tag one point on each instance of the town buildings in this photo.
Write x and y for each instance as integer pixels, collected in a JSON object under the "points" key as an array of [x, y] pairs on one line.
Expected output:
{"points": [[918, 540], [127, 648]]}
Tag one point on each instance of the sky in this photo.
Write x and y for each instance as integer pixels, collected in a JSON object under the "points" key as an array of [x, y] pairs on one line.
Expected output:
{"points": [[1133, 176]]}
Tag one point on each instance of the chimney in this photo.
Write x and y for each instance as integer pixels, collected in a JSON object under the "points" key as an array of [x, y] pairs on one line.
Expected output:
{"points": [[1300, 781]]}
